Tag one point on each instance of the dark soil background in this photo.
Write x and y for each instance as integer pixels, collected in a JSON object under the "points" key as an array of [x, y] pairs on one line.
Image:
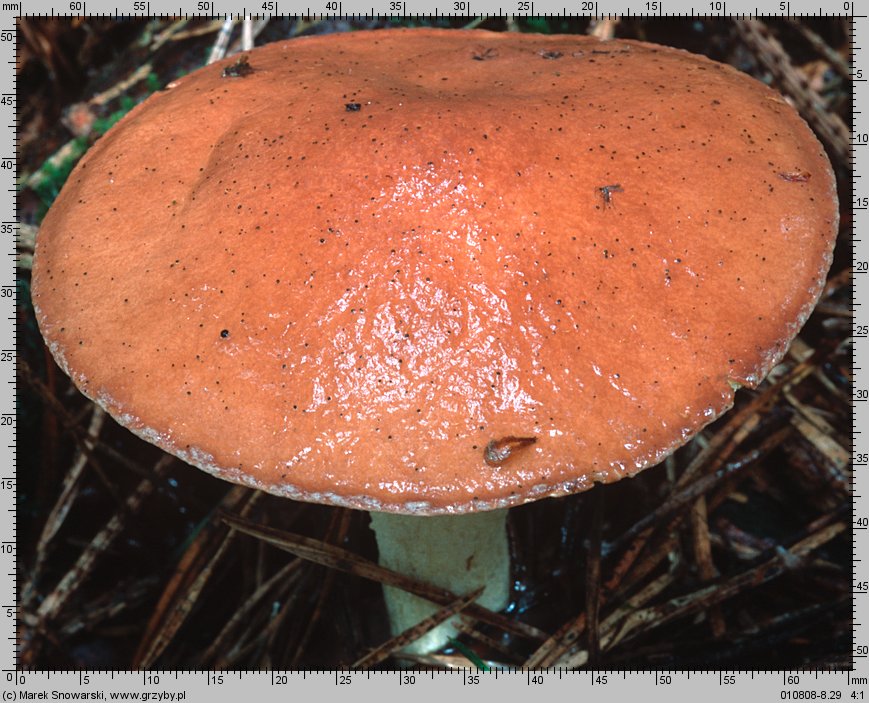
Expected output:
{"points": [[124, 558]]}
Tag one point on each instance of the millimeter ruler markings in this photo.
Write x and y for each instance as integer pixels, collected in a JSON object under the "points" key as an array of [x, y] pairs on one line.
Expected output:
{"points": [[266, 686]]}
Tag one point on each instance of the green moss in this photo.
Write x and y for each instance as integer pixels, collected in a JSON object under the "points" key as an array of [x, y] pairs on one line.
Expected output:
{"points": [[53, 173], [535, 24], [152, 82]]}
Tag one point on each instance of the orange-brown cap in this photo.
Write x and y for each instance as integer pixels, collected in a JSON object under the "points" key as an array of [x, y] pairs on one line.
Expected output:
{"points": [[436, 271]]}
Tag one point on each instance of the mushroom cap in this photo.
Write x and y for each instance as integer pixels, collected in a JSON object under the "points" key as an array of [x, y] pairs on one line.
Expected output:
{"points": [[434, 271]]}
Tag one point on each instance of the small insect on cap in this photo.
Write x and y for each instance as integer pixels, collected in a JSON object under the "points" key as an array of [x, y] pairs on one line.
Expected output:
{"points": [[435, 271]]}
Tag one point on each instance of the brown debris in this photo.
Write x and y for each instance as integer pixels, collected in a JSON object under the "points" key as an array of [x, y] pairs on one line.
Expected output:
{"points": [[342, 560], [769, 51], [414, 633], [191, 576]]}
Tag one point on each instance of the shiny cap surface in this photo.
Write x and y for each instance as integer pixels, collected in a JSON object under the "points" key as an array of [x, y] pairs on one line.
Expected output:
{"points": [[436, 271]]}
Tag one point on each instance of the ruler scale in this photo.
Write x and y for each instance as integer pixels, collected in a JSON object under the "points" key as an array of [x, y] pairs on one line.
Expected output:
{"points": [[16, 684], [9, 298]]}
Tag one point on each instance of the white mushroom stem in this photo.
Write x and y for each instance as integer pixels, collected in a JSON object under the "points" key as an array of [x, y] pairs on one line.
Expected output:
{"points": [[456, 552]]}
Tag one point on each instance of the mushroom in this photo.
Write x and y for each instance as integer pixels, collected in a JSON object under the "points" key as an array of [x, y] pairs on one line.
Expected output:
{"points": [[435, 274]]}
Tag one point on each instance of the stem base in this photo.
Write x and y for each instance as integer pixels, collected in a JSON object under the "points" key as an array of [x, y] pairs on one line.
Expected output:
{"points": [[456, 552]]}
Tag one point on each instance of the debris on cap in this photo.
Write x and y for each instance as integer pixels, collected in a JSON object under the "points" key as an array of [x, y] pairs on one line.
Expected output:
{"points": [[431, 271]]}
